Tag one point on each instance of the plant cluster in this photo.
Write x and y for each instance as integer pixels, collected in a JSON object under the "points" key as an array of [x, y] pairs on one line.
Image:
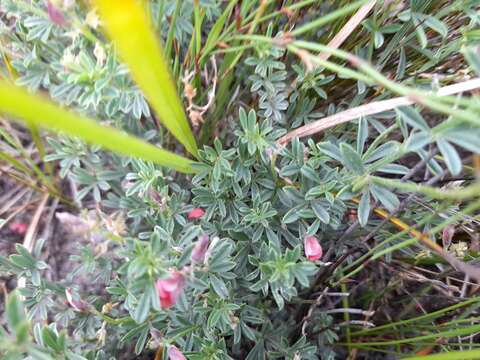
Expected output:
{"points": [[260, 243]]}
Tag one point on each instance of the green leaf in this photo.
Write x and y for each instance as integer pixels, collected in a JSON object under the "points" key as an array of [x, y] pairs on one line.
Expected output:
{"points": [[421, 36], [72, 356], [219, 286], [25, 253], [132, 33], [464, 137], [386, 197], [388, 148], [309, 173], [38, 354], [22, 331], [142, 310], [133, 332], [450, 156], [401, 64], [142, 339], [362, 134], [21, 262], [472, 54], [291, 216], [15, 312], [41, 112], [412, 117], [321, 212], [351, 159], [49, 339], [378, 39], [436, 25], [364, 208]]}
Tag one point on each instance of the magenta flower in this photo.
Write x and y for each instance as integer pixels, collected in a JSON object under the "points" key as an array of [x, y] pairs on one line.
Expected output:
{"points": [[200, 249], [175, 354], [19, 228], [55, 14], [169, 289], [196, 213], [313, 249]]}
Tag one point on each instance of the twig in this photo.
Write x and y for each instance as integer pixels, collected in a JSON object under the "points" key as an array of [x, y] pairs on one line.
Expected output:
{"points": [[351, 311], [357, 322], [307, 317]]}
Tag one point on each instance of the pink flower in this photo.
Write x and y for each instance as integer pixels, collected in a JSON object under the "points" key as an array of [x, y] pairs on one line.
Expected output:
{"points": [[196, 213], [18, 228], [169, 289], [200, 249], [313, 249], [175, 354], [55, 14]]}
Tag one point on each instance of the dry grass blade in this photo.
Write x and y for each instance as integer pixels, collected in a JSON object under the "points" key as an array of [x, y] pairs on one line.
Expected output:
{"points": [[348, 28], [29, 239], [370, 109]]}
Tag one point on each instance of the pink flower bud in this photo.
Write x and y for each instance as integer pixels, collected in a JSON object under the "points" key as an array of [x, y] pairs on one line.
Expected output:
{"points": [[169, 289], [313, 249], [447, 235], [175, 354], [196, 213], [18, 228], [55, 14], [200, 249]]}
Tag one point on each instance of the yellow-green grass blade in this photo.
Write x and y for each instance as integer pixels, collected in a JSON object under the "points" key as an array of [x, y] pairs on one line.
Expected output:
{"points": [[41, 112], [132, 33], [451, 355]]}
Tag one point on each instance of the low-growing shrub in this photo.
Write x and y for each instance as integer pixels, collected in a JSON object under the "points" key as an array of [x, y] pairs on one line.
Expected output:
{"points": [[261, 243]]}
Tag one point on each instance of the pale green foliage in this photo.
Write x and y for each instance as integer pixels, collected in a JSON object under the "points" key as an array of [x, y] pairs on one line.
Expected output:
{"points": [[255, 295]]}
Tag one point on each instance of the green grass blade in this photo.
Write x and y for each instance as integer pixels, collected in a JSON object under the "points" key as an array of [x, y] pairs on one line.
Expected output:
{"points": [[171, 30], [198, 26], [418, 319], [43, 113], [132, 33], [215, 33], [451, 355], [460, 331], [342, 11], [15, 163]]}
